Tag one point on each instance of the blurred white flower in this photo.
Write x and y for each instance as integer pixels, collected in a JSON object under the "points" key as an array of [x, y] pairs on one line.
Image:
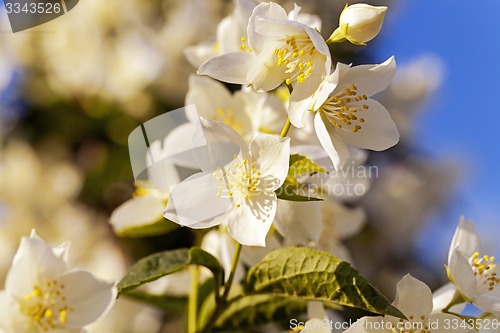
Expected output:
{"points": [[231, 31], [359, 23], [241, 194], [319, 321], [344, 113], [25, 174], [246, 111], [42, 295], [278, 50], [414, 300], [474, 276]]}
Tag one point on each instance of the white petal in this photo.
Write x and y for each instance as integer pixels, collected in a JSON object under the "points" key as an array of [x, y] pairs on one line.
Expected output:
{"points": [[343, 222], [443, 296], [89, 297], [197, 55], [378, 132], [331, 142], [316, 326], [299, 222], [315, 309], [207, 95], [303, 90], [136, 212], [447, 323], [250, 223], [488, 302], [272, 154], [466, 238], [462, 274], [11, 321], [348, 184], [368, 325], [264, 10], [312, 21], [278, 27], [194, 202], [299, 110], [217, 144], [179, 146], [263, 73], [251, 255], [62, 251], [371, 79], [264, 112], [34, 261], [315, 153], [230, 67], [229, 35], [243, 9], [413, 297]]}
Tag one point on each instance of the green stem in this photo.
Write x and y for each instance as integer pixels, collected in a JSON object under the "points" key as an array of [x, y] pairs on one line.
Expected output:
{"points": [[229, 282], [193, 300], [223, 302], [286, 128]]}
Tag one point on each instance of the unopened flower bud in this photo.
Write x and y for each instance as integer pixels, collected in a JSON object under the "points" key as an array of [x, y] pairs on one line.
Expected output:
{"points": [[359, 23]]}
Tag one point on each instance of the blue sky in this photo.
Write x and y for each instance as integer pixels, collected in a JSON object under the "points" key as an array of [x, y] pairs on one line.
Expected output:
{"points": [[463, 120]]}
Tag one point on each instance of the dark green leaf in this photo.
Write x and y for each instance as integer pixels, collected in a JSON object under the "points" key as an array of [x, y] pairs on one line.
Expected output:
{"points": [[315, 275], [164, 263]]}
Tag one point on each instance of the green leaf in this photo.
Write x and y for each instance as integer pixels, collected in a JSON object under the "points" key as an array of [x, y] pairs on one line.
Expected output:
{"points": [[164, 263], [288, 192], [299, 165], [166, 303], [159, 227], [315, 275], [256, 310]]}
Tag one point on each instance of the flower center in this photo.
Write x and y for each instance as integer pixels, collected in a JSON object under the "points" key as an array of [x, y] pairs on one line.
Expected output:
{"points": [[297, 55], [485, 271], [240, 181], [343, 109], [228, 117], [45, 306]]}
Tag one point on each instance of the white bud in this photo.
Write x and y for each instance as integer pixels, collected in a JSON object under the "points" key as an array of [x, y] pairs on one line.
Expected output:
{"points": [[359, 23]]}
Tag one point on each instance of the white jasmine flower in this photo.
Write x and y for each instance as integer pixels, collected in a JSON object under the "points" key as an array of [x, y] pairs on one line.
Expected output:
{"points": [[42, 295], [344, 113], [414, 299], [240, 194], [359, 23], [278, 50], [474, 276]]}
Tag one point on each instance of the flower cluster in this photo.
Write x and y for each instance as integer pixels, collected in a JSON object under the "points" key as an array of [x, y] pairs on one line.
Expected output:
{"points": [[249, 190]]}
